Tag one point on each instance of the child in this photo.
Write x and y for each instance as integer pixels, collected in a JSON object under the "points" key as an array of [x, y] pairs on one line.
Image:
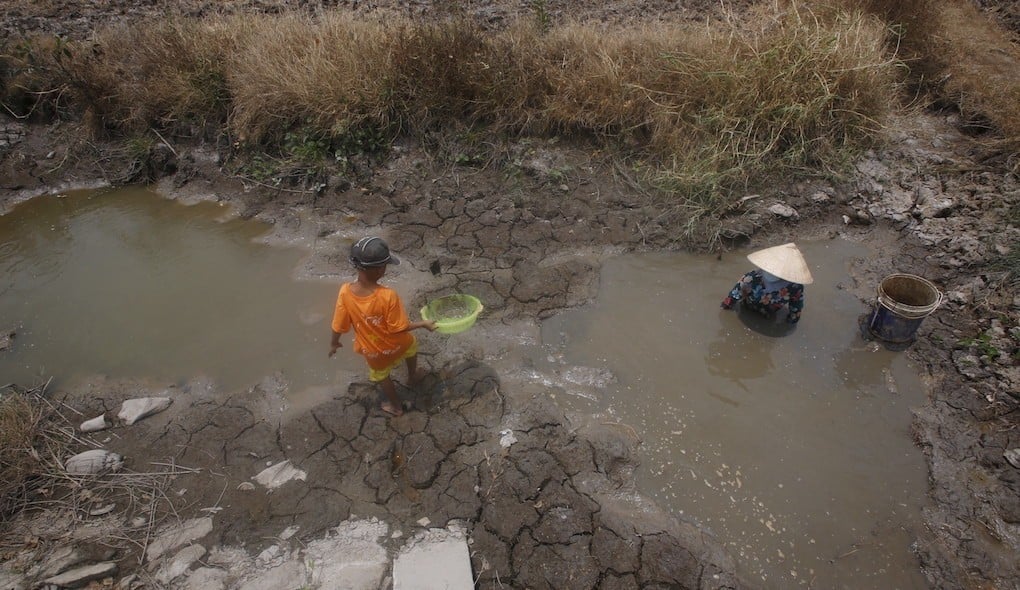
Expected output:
{"points": [[382, 330]]}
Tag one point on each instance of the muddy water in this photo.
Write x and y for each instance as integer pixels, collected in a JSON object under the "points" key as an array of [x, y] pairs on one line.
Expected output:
{"points": [[792, 447], [125, 283]]}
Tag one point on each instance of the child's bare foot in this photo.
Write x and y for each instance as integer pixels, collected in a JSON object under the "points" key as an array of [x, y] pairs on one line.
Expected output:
{"points": [[415, 379], [392, 411]]}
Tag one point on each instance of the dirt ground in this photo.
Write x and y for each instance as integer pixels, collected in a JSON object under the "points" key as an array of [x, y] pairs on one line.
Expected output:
{"points": [[527, 235]]}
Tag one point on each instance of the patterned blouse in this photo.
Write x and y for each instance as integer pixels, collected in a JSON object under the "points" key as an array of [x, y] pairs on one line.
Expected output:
{"points": [[751, 290]]}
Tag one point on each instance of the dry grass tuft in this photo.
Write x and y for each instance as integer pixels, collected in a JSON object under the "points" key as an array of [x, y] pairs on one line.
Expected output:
{"points": [[23, 420], [36, 438], [711, 112], [961, 58]]}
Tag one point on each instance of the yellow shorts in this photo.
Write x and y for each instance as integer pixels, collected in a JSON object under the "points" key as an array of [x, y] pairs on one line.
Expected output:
{"points": [[377, 375]]}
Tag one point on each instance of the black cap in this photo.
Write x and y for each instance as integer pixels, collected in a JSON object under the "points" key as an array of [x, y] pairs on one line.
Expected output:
{"points": [[371, 252]]}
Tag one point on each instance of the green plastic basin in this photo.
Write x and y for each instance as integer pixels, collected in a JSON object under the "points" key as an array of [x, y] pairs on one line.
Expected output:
{"points": [[453, 313]]}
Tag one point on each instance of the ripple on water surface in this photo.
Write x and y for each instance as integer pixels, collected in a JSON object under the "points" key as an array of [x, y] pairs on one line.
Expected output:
{"points": [[792, 446]]}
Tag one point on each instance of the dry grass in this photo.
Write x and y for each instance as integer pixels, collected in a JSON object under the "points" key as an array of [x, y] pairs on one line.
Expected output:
{"points": [[711, 111], [22, 422], [36, 438], [961, 58]]}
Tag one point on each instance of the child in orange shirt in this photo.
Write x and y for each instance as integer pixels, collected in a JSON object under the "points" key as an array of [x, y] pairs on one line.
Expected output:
{"points": [[382, 330]]}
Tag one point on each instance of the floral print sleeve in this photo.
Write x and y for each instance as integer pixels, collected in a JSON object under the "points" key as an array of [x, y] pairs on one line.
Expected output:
{"points": [[745, 285], [752, 291], [795, 294]]}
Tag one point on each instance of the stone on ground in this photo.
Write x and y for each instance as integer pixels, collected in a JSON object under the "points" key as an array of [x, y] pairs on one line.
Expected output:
{"points": [[438, 559], [279, 474], [133, 410], [178, 536], [93, 461], [354, 559], [289, 576], [82, 575], [180, 563]]}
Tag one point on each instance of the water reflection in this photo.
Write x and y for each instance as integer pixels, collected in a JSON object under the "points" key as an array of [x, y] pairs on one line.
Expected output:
{"points": [[773, 327], [738, 353]]}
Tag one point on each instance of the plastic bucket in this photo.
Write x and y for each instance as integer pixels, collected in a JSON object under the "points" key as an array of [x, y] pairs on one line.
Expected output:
{"points": [[903, 303]]}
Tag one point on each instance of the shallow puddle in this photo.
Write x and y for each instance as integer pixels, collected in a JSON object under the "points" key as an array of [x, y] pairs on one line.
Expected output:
{"points": [[793, 448], [128, 284]]}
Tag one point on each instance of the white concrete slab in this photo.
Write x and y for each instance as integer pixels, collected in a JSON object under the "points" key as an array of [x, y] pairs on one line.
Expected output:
{"points": [[438, 560]]}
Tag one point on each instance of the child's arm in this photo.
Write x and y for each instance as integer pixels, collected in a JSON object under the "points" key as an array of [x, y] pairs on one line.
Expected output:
{"points": [[334, 343], [428, 325]]}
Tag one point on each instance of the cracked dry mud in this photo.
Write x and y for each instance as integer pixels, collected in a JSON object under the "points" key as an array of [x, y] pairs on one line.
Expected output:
{"points": [[527, 235], [555, 509], [528, 247]]}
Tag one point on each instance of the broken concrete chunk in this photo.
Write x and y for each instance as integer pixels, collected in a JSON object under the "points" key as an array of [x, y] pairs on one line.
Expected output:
{"points": [[439, 560], [279, 474], [82, 575], [188, 531], [133, 410], [289, 576], [97, 423], [353, 559], [93, 461]]}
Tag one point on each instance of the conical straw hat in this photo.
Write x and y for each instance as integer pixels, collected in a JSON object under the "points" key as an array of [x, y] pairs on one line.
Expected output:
{"points": [[785, 262]]}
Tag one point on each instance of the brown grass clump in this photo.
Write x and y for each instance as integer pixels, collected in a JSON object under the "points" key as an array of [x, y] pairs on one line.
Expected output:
{"points": [[328, 74], [22, 420], [959, 56], [801, 95], [713, 112]]}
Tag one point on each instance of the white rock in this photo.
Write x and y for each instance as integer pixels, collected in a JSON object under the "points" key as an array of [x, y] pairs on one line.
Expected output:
{"points": [[79, 576], [931, 204], [59, 560], [289, 532], [206, 578], [97, 423], [170, 539], [180, 563], [93, 461], [783, 210], [268, 555], [279, 474], [1013, 456], [289, 576], [133, 410], [506, 438]]}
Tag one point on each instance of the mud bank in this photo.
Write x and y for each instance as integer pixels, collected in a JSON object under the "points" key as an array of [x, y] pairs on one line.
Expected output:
{"points": [[527, 235], [528, 240]]}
